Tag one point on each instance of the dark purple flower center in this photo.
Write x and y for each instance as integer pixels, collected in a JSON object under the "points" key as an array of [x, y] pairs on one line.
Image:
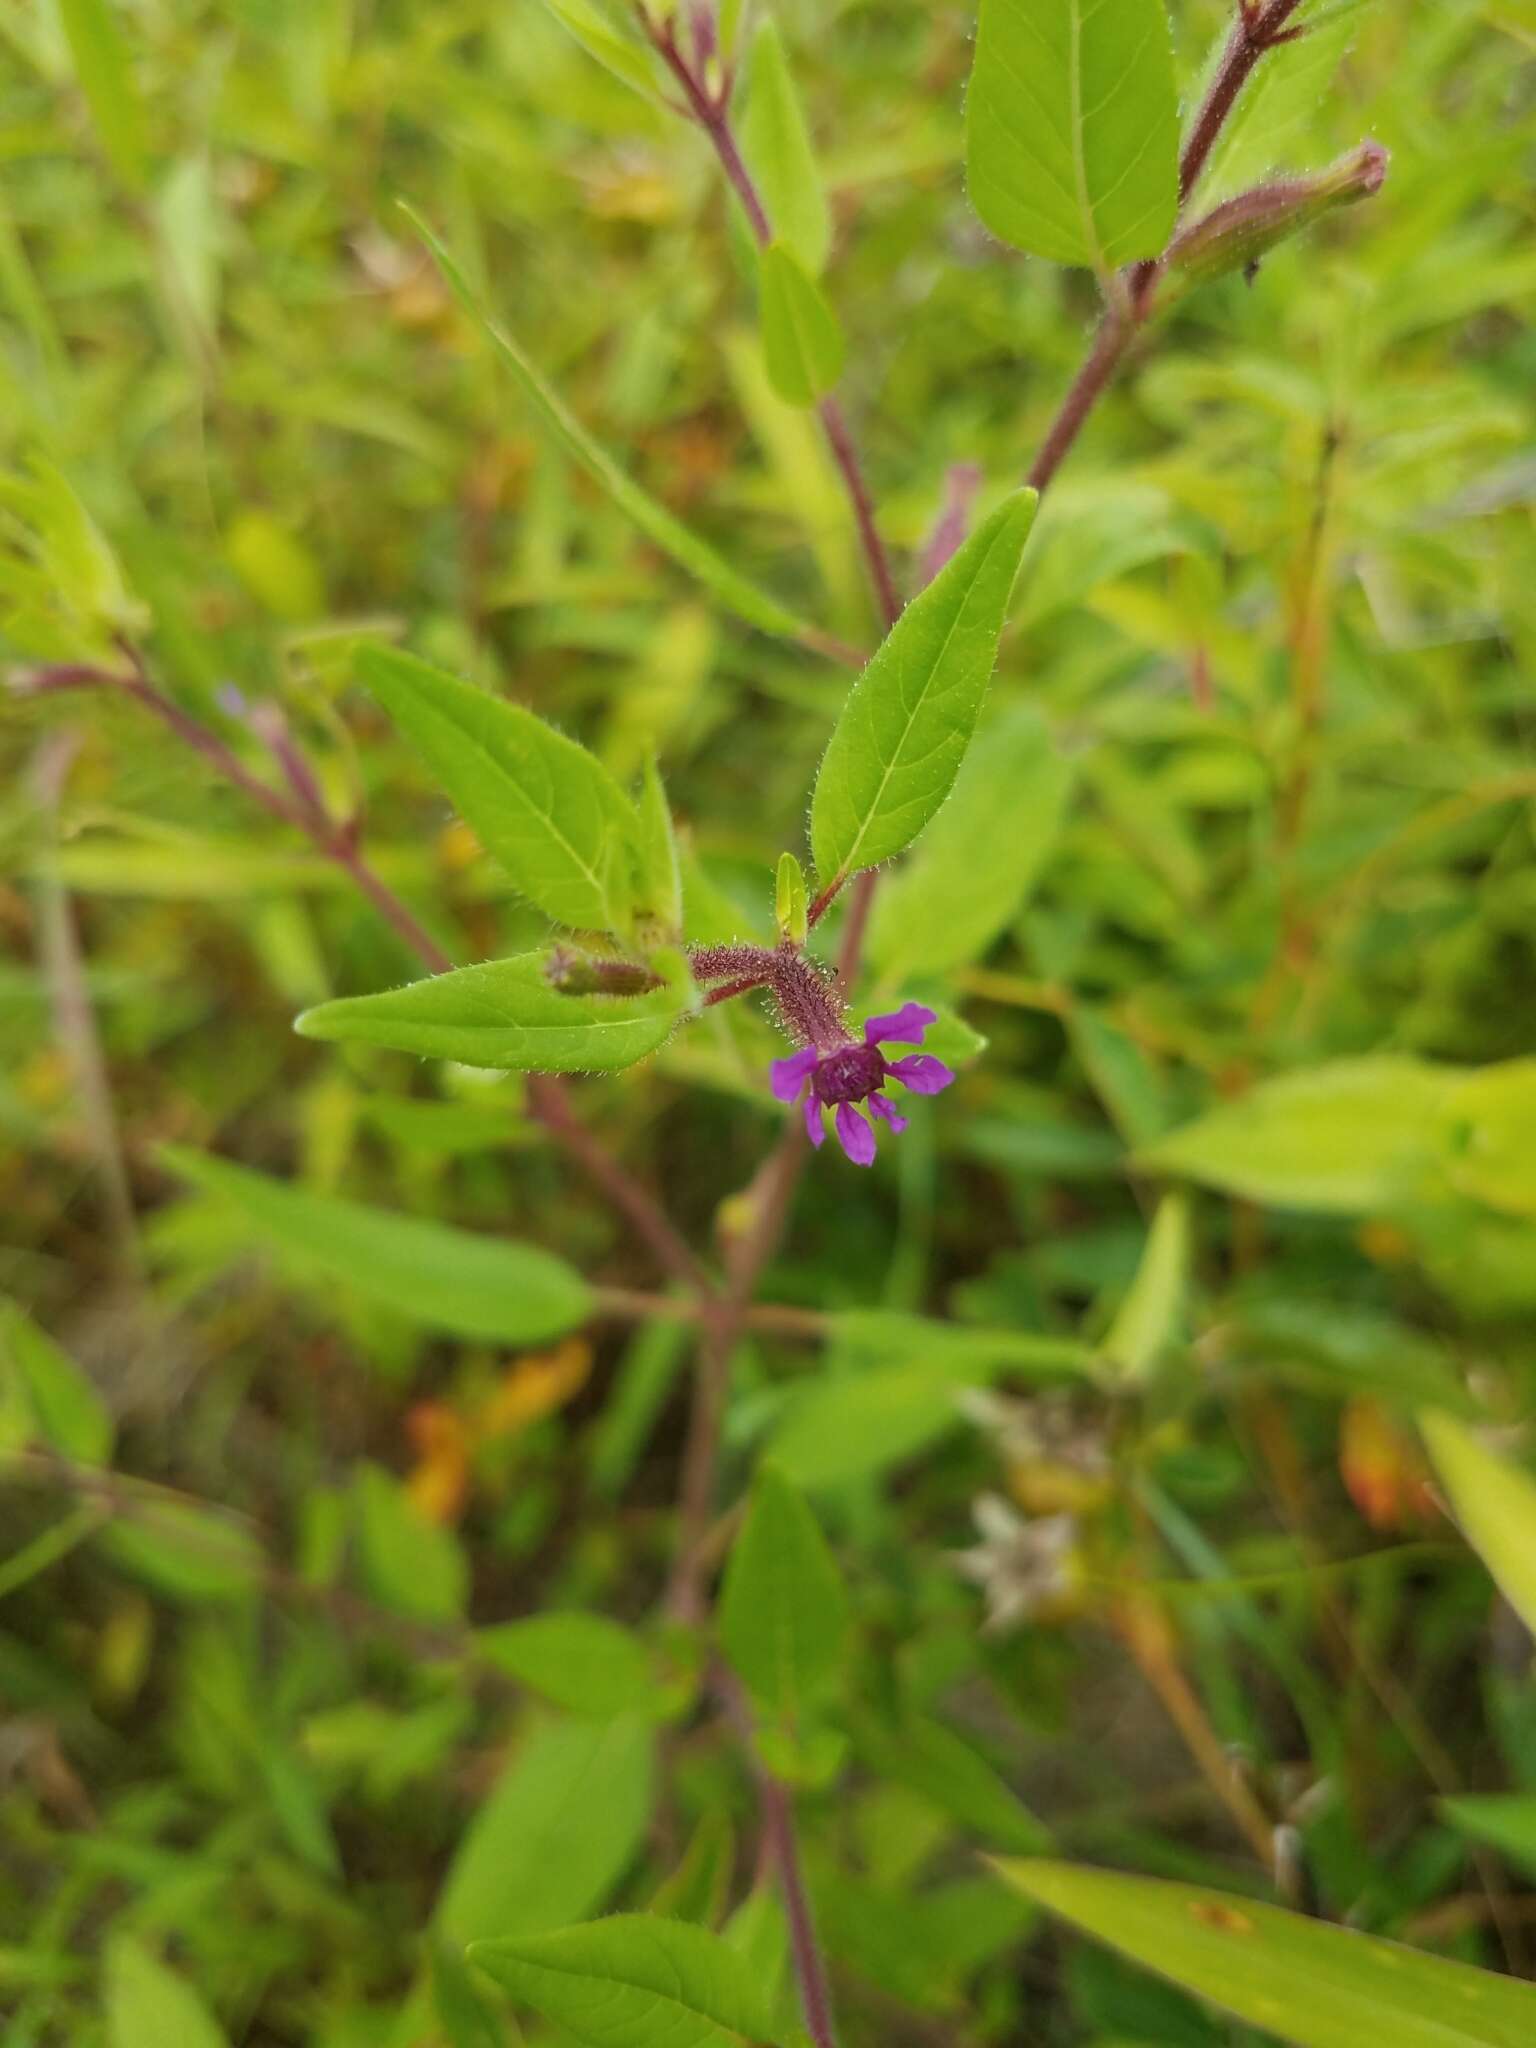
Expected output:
{"points": [[849, 1074]]}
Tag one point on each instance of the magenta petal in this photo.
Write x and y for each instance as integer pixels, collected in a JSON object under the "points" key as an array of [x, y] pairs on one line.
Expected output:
{"points": [[922, 1073], [905, 1025], [854, 1135], [787, 1077], [883, 1106], [815, 1128]]}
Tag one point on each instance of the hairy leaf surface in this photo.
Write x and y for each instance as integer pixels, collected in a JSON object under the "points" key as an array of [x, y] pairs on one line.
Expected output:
{"points": [[505, 1013], [907, 721], [1072, 129], [547, 809]]}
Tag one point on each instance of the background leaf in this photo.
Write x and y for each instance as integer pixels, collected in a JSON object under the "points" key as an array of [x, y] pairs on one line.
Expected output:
{"points": [[455, 1280], [147, 2002], [582, 1662], [103, 66], [653, 519], [635, 1981], [411, 1564], [1148, 1320], [47, 1392], [776, 142], [802, 342], [980, 857], [660, 880], [907, 721], [1353, 1136], [1495, 1503], [1316, 1985], [546, 808], [1072, 129], [783, 1610], [556, 1831]]}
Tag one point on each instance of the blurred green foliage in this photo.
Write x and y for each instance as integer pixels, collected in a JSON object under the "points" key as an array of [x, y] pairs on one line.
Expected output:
{"points": [[1261, 920]]}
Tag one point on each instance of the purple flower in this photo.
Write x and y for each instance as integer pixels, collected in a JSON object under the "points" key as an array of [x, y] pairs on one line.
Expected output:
{"points": [[845, 1073]]}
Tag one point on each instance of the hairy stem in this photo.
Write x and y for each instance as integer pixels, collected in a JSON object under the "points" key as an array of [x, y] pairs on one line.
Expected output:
{"points": [[711, 113], [810, 1969], [781, 1848], [1257, 28]]}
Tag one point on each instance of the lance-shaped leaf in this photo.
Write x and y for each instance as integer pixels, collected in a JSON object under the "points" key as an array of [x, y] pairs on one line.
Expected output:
{"points": [[547, 809], [981, 855], [1305, 1981], [145, 2001], [636, 1981], [1072, 129], [783, 1613], [653, 519], [1149, 1317], [659, 882], [908, 720], [802, 343], [450, 1279], [777, 145], [624, 55], [1345, 1138], [1495, 1503], [507, 1014], [555, 1833], [102, 54]]}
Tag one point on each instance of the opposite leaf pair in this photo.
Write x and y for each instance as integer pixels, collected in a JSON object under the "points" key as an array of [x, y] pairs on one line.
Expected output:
{"points": [[576, 845]]}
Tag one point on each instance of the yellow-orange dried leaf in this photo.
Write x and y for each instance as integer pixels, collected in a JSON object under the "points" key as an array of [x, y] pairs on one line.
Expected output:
{"points": [[535, 1387], [438, 1484], [1382, 1467]]}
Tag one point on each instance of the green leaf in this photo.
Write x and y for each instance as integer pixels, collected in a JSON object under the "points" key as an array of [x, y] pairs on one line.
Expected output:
{"points": [[635, 1981], [908, 719], [1495, 1503], [791, 910], [148, 2003], [776, 143], [864, 1418], [1492, 1136], [653, 519], [982, 854], [583, 1662], [659, 883], [464, 2009], [783, 1610], [505, 1013], [1148, 1319], [1275, 120], [863, 1423], [427, 1272], [625, 57], [1313, 1984], [187, 1553], [1348, 1138], [547, 809], [412, 1565], [103, 66], [803, 344], [1506, 1821], [557, 1832], [1072, 129], [929, 1758], [50, 1391]]}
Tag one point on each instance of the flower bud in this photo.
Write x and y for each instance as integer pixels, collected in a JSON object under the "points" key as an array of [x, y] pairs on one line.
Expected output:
{"points": [[1242, 230]]}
